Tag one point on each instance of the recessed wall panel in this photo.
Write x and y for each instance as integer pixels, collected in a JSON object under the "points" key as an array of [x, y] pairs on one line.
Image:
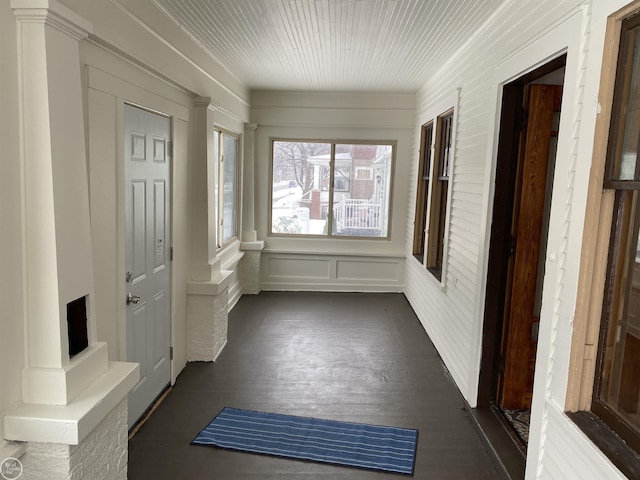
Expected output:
{"points": [[159, 149], [139, 229], [138, 146], [139, 340], [370, 270], [298, 267], [160, 313]]}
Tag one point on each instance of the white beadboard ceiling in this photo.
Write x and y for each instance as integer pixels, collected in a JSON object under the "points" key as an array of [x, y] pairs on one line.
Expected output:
{"points": [[330, 45]]}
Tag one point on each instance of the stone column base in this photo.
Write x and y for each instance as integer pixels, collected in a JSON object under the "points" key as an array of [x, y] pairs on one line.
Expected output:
{"points": [[208, 319], [103, 454]]}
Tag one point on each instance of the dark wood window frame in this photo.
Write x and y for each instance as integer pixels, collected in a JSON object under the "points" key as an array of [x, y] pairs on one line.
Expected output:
{"points": [[424, 167], [611, 227], [443, 160]]}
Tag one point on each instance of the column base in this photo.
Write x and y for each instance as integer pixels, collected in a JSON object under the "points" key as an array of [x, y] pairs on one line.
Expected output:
{"points": [[250, 267], [102, 454], [71, 424], [208, 314]]}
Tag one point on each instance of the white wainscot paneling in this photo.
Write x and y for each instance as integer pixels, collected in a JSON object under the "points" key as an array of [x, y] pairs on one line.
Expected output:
{"points": [[298, 267], [332, 272], [372, 270]]}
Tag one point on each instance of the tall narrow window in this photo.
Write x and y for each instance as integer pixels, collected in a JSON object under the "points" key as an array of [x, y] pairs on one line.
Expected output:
{"points": [[424, 168], [226, 150], [331, 189], [439, 194], [616, 395]]}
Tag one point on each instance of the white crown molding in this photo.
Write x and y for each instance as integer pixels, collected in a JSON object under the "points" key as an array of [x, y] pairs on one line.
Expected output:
{"points": [[52, 13]]}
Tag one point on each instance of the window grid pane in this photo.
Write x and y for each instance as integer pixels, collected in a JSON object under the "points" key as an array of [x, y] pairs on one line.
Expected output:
{"points": [[618, 388], [428, 139], [623, 158], [229, 188], [446, 123], [419, 234], [439, 195], [616, 393], [300, 187]]}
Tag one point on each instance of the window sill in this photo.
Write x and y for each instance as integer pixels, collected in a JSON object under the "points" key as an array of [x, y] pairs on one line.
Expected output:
{"points": [[614, 447]]}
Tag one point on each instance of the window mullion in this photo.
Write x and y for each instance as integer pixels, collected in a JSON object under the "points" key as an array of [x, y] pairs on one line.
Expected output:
{"points": [[332, 168]]}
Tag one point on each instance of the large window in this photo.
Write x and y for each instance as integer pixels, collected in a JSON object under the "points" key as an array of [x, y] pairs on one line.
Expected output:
{"points": [[226, 152], [331, 189], [616, 395]]}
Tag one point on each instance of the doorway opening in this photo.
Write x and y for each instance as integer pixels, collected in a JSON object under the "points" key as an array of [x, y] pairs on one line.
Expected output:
{"points": [[530, 116]]}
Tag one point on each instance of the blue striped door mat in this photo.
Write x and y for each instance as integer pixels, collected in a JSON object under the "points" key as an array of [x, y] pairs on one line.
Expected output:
{"points": [[389, 449]]}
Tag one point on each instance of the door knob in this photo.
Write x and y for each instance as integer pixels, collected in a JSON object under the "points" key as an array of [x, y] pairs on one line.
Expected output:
{"points": [[135, 299]]}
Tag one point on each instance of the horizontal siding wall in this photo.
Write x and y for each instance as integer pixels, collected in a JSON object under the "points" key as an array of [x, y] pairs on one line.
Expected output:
{"points": [[452, 313], [569, 454], [521, 37]]}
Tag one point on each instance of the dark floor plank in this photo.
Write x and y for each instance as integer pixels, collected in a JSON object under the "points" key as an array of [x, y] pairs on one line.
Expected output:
{"points": [[341, 356]]}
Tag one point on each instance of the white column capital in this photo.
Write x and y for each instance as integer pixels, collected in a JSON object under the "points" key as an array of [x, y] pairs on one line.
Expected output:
{"points": [[202, 102], [251, 127], [52, 13]]}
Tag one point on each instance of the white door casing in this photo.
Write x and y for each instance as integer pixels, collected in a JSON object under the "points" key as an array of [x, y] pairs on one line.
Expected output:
{"points": [[147, 257]]}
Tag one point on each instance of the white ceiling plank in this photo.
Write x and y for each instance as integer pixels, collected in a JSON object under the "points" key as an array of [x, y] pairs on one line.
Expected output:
{"points": [[330, 45]]}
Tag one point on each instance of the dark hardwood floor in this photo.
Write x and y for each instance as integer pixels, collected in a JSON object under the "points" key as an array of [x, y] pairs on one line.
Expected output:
{"points": [[342, 356]]}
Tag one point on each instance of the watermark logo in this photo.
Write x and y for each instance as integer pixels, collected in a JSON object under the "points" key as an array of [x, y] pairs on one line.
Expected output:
{"points": [[11, 468]]}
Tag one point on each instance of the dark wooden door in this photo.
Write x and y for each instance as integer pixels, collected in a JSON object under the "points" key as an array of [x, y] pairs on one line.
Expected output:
{"points": [[530, 220]]}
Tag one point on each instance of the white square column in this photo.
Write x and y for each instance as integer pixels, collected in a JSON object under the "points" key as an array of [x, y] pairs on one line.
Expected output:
{"points": [[65, 397], [207, 291], [250, 263]]}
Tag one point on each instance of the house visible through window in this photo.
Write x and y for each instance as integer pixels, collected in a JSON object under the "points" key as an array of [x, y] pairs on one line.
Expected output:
{"points": [[331, 189], [226, 152], [616, 396]]}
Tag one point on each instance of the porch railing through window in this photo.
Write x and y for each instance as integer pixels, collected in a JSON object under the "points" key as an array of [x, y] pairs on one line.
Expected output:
{"points": [[353, 214]]}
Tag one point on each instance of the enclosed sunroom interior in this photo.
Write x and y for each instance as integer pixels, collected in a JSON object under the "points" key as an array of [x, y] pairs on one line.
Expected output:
{"points": [[163, 159]]}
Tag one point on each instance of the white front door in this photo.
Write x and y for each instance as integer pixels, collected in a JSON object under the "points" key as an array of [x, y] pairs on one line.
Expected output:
{"points": [[147, 158]]}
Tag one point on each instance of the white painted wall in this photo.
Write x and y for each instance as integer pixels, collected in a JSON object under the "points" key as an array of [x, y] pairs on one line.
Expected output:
{"points": [[310, 263], [11, 238], [152, 65], [520, 37]]}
